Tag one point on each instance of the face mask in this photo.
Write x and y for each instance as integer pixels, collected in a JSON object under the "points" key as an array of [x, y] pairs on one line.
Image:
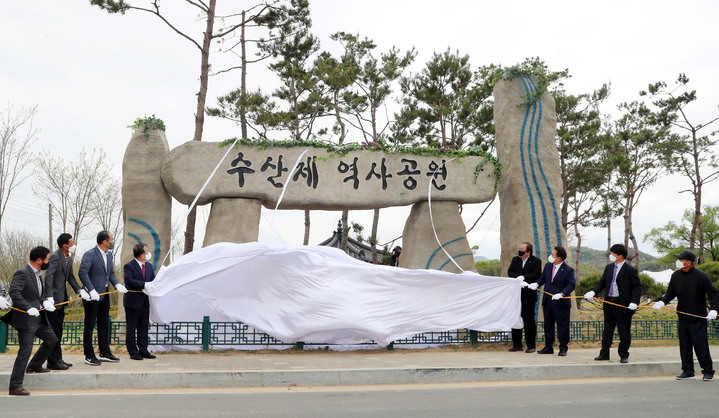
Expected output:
{"points": [[680, 264], [72, 249], [521, 253], [112, 245], [551, 259], [612, 258], [148, 256], [44, 266]]}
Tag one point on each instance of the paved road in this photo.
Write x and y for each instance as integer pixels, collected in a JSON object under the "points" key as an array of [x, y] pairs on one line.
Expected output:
{"points": [[639, 397]]}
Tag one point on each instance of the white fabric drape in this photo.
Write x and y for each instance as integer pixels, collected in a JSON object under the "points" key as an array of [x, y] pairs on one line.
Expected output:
{"points": [[321, 295]]}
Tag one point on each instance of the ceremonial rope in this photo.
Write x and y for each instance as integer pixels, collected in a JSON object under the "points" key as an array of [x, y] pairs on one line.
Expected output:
{"points": [[625, 307], [73, 300]]}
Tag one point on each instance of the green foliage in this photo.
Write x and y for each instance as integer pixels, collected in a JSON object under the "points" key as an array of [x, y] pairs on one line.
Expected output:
{"points": [[673, 238], [489, 268], [587, 283], [598, 259], [148, 124]]}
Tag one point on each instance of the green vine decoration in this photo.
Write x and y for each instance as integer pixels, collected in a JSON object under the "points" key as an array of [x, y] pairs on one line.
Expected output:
{"points": [[342, 150], [148, 124], [533, 68]]}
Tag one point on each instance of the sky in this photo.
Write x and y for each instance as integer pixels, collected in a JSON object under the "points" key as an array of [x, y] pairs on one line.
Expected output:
{"points": [[91, 74]]}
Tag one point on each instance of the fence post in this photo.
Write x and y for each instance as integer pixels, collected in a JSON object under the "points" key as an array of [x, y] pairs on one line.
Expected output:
{"points": [[3, 336], [206, 333], [109, 329]]}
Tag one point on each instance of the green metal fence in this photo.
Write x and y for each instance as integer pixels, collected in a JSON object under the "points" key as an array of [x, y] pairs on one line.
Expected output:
{"points": [[210, 334]]}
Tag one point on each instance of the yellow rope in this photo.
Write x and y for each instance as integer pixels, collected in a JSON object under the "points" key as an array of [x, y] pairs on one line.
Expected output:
{"points": [[73, 300]]}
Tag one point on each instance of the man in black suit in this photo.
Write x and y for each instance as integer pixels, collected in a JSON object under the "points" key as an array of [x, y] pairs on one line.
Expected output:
{"points": [[28, 320], [623, 288], [137, 272], [528, 267], [96, 273], [558, 280], [57, 275]]}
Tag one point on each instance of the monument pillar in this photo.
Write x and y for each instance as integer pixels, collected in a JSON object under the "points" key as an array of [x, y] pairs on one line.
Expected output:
{"points": [[233, 220]]}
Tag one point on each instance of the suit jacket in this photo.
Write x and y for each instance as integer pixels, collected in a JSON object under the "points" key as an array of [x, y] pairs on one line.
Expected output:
{"points": [[563, 282], [58, 273], [134, 281], [25, 295], [531, 270], [93, 274], [628, 284]]}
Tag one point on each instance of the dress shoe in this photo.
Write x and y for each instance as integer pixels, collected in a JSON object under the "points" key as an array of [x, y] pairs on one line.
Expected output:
{"points": [[66, 363], [546, 350], [563, 353], [92, 361], [19, 391], [513, 349], [686, 376], [601, 358], [136, 357], [530, 350], [148, 355], [37, 370], [624, 360], [58, 366], [108, 357]]}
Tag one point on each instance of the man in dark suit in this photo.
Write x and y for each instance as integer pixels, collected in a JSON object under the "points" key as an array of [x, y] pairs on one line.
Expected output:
{"points": [[623, 288], [96, 273], [528, 267], [57, 275], [29, 321], [558, 280], [137, 272]]}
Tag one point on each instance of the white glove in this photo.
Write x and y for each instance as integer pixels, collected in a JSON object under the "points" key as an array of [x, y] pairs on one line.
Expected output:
{"points": [[94, 295], [49, 304], [33, 312], [658, 305], [520, 278], [120, 288], [712, 315], [632, 306], [83, 294], [589, 295], [533, 286], [149, 288], [4, 303], [521, 281], [557, 296]]}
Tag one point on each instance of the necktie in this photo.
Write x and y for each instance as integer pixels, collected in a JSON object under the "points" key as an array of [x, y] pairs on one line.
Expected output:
{"points": [[613, 291], [554, 271], [39, 283], [143, 271]]}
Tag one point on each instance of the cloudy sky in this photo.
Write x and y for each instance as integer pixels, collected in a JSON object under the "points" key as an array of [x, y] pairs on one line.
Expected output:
{"points": [[91, 74]]}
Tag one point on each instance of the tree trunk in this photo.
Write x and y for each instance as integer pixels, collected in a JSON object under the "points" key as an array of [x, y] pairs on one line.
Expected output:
{"points": [[200, 113], [345, 230], [306, 240], [578, 251], [373, 237], [243, 80]]}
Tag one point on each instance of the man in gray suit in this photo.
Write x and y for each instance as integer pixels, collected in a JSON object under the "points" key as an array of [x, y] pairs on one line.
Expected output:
{"points": [[96, 273], [28, 320], [57, 275]]}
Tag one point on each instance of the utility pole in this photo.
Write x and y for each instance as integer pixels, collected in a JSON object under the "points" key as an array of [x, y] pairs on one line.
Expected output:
{"points": [[49, 226]]}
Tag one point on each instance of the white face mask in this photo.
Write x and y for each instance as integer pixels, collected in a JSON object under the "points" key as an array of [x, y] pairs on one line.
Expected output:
{"points": [[551, 259], [72, 249], [612, 258], [680, 264], [148, 256]]}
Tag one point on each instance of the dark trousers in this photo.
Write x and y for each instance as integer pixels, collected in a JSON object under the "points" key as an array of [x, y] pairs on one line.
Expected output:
{"points": [[621, 318], [56, 319], [138, 321], [96, 312], [693, 334], [556, 311], [529, 302], [25, 338]]}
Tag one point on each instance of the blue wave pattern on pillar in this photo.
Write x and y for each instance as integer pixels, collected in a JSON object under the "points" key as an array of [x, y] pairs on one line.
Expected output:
{"points": [[542, 191], [155, 237], [445, 244]]}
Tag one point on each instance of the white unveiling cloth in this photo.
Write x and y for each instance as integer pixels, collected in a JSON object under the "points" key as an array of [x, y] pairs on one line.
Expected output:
{"points": [[322, 295]]}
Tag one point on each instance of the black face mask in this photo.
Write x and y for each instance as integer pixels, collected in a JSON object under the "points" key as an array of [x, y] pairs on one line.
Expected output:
{"points": [[521, 253], [112, 246], [44, 266]]}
